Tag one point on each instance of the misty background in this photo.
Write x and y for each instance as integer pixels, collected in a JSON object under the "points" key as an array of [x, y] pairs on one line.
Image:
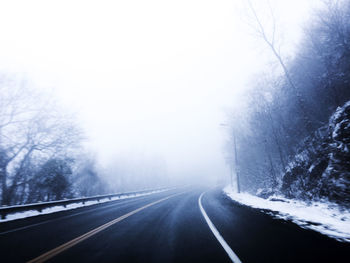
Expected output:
{"points": [[152, 85]]}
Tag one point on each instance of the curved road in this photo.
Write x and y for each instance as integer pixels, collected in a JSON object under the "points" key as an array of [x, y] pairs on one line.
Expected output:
{"points": [[164, 227]]}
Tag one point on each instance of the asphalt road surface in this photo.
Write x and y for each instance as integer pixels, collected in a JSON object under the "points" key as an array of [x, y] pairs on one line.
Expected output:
{"points": [[165, 227]]}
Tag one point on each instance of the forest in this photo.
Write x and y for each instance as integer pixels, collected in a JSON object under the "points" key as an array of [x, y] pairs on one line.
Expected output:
{"points": [[292, 137]]}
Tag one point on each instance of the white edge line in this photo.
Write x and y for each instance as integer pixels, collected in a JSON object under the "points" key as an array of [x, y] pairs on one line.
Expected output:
{"points": [[216, 233]]}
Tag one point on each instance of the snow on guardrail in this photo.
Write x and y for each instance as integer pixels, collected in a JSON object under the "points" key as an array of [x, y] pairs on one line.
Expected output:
{"points": [[9, 213]]}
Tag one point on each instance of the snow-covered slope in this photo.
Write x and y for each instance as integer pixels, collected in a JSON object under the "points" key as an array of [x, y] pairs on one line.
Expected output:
{"points": [[321, 168]]}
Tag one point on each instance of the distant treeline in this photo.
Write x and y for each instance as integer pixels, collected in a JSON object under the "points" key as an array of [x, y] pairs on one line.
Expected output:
{"points": [[285, 110]]}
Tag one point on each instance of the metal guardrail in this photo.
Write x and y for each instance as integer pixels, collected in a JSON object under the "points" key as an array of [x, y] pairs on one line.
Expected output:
{"points": [[6, 210]]}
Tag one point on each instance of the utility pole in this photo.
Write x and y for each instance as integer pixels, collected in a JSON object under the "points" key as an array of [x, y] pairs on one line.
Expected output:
{"points": [[231, 175], [236, 165]]}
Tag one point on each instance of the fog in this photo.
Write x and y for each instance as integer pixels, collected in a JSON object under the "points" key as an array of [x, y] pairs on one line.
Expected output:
{"points": [[150, 81]]}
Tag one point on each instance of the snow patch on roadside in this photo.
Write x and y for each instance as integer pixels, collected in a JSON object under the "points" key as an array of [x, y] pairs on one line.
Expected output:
{"points": [[59, 208], [324, 217]]}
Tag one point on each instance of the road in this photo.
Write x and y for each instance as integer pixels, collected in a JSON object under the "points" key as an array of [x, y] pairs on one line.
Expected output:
{"points": [[164, 227]]}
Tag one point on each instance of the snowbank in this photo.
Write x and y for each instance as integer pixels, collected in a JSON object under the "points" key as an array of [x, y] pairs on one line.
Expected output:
{"points": [[326, 218]]}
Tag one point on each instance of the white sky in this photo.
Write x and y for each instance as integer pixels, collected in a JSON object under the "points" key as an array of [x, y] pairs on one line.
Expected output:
{"points": [[146, 77]]}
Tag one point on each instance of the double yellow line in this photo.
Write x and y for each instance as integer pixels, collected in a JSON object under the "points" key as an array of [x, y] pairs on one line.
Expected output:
{"points": [[46, 256]]}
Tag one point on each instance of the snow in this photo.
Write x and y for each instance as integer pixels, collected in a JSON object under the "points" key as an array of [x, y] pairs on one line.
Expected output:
{"points": [[311, 168], [58, 208], [323, 217]]}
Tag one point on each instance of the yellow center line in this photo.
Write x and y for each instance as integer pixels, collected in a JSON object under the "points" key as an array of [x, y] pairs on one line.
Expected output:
{"points": [[73, 242]]}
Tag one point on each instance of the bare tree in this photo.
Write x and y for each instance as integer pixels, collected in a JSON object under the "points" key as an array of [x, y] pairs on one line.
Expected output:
{"points": [[32, 127], [87, 181], [271, 43]]}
